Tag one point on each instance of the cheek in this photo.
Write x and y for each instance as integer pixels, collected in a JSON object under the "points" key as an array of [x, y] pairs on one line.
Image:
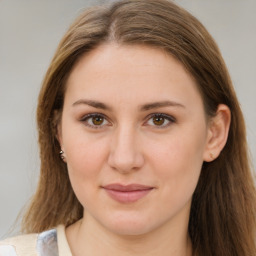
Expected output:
{"points": [[85, 160], [85, 155], [178, 159], [177, 168]]}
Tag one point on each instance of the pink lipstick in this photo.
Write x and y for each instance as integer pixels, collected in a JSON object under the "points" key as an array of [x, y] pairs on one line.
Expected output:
{"points": [[127, 193]]}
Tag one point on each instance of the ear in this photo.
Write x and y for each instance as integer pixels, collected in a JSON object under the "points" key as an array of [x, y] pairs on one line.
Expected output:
{"points": [[57, 126], [218, 129], [59, 134]]}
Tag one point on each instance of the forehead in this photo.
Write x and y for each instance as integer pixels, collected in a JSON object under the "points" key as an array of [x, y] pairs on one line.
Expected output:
{"points": [[133, 56], [126, 72]]}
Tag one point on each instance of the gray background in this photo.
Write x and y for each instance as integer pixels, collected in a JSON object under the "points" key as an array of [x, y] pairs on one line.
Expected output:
{"points": [[29, 33]]}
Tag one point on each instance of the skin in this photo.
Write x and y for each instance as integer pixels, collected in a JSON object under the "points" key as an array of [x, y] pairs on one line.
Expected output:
{"points": [[128, 143]]}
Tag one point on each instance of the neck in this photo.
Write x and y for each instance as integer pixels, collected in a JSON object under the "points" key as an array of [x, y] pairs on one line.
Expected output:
{"points": [[87, 237]]}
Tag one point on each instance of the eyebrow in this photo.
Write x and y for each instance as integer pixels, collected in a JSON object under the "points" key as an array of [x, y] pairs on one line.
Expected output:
{"points": [[92, 103], [161, 104], [145, 107]]}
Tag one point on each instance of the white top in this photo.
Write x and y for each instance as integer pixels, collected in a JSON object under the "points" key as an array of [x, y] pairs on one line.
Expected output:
{"points": [[49, 243]]}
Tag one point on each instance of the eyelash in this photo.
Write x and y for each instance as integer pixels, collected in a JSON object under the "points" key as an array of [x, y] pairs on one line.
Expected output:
{"points": [[165, 117], [85, 119]]}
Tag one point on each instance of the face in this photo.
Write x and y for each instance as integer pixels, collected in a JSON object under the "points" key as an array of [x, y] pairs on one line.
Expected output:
{"points": [[134, 133]]}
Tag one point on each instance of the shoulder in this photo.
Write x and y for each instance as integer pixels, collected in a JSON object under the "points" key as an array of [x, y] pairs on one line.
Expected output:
{"points": [[20, 245], [41, 244], [48, 243]]}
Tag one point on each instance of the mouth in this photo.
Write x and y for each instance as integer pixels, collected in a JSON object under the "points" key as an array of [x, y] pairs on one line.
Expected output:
{"points": [[127, 193]]}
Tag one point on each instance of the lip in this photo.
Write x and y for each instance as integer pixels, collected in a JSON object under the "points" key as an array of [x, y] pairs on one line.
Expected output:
{"points": [[127, 193]]}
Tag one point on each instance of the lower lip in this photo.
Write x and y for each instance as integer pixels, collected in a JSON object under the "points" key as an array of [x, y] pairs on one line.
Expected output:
{"points": [[127, 196]]}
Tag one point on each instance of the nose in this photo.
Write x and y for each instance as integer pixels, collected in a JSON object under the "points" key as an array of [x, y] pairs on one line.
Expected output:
{"points": [[125, 152]]}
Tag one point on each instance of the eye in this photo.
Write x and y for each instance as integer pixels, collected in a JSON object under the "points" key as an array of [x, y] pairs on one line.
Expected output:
{"points": [[160, 120], [95, 120]]}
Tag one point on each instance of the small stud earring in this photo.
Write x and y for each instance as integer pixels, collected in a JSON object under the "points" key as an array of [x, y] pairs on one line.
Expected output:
{"points": [[211, 155], [61, 154]]}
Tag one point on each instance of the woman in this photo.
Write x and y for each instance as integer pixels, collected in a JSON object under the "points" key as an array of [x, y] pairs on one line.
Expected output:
{"points": [[138, 104]]}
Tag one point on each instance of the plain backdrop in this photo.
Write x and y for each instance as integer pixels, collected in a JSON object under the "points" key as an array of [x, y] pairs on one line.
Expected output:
{"points": [[29, 33]]}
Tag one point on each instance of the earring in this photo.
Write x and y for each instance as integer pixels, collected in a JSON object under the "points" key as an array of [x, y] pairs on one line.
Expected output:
{"points": [[61, 154], [211, 155]]}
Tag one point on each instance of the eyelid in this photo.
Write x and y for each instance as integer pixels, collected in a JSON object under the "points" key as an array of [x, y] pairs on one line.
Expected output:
{"points": [[170, 118], [91, 115], [167, 117]]}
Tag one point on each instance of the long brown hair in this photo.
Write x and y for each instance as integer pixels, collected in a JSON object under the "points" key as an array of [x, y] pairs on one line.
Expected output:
{"points": [[223, 211]]}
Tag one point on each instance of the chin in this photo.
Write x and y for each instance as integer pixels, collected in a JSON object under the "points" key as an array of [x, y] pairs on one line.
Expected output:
{"points": [[130, 226], [129, 230]]}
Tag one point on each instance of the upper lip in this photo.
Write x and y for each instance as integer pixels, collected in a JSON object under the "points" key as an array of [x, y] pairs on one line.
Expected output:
{"points": [[127, 188]]}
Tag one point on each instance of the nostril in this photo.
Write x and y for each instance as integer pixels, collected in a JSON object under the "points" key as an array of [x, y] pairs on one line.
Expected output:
{"points": [[125, 155], [125, 162]]}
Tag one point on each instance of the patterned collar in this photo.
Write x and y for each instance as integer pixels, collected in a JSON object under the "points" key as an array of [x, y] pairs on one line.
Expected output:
{"points": [[46, 245]]}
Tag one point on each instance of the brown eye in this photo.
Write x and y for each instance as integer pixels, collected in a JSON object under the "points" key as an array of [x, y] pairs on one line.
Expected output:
{"points": [[97, 120], [158, 120]]}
